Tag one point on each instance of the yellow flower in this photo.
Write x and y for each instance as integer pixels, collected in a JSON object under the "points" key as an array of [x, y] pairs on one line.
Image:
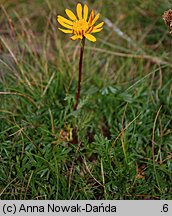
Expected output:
{"points": [[80, 26]]}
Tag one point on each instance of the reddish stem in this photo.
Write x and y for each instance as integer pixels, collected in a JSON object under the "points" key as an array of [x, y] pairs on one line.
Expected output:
{"points": [[80, 73]]}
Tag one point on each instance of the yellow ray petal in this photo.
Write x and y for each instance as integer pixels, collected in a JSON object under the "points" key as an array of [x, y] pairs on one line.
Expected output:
{"points": [[80, 37], [96, 30], [85, 12], [65, 31], [79, 10], [95, 19], [99, 25], [65, 20], [90, 30], [70, 14], [74, 37], [90, 37], [64, 24], [91, 17]]}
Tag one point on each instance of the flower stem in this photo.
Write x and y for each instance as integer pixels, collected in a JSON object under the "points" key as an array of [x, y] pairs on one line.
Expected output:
{"points": [[80, 73]]}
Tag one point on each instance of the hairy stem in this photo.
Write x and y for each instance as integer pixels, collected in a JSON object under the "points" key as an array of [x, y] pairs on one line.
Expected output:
{"points": [[80, 73]]}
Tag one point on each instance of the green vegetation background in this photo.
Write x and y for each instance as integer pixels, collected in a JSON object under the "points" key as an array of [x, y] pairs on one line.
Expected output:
{"points": [[124, 118]]}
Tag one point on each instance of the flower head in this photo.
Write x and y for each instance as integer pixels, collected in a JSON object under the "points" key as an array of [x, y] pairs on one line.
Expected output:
{"points": [[81, 25], [167, 17]]}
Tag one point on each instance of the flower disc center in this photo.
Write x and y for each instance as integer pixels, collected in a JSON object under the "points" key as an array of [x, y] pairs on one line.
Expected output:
{"points": [[80, 25]]}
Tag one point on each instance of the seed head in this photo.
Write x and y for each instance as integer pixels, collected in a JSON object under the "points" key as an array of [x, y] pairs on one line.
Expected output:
{"points": [[167, 17]]}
